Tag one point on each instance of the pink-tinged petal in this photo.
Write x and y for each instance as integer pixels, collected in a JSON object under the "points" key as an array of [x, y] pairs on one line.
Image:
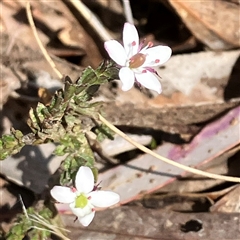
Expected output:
{"points": [[156, 56], [63, 194], [62, 207], [84, 180], [116, 52], [130, 39], [81, 212], [103, 198], [86, 220], [127, 78], [149, 80]]}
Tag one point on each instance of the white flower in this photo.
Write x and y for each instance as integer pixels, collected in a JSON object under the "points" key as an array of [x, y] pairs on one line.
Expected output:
{"points": [[136, 63], [84, 197]]}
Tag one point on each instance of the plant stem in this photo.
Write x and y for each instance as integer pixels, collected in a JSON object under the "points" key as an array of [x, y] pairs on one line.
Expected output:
{"points": [[166, 160]]}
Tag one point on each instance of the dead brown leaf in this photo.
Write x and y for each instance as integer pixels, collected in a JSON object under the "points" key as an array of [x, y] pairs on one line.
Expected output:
{"points": [[215, 23], [229, 203]]}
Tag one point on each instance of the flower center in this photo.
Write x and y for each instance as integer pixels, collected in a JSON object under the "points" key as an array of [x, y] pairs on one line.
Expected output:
{"points": [[137, 60], [81, 201]]}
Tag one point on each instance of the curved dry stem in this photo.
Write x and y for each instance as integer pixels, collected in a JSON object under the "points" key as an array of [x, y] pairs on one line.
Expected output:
{"points": [[44, 51], [93, 21], [169, 161], [40, 220], [128, 11]]}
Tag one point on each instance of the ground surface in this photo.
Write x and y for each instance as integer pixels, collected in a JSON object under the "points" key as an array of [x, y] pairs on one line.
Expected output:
{"points": [[195, 121]]}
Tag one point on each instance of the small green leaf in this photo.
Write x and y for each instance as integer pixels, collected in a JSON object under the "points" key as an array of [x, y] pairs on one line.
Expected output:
{"points": [[59, 150]]}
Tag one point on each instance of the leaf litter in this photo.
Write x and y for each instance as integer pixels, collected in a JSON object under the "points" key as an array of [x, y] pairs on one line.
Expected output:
{"points": [[195, 121]]}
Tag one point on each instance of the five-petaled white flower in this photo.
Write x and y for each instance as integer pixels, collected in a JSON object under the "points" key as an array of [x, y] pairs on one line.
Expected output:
{"points": [[136, 62], [85, 196]]}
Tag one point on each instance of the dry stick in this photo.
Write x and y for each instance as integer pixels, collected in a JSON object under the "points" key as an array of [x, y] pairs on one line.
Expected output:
{"points": [[128, 11], [176, 164], [51, 228], [44, 51], [91, 19], [123, 135], [34, 218]]}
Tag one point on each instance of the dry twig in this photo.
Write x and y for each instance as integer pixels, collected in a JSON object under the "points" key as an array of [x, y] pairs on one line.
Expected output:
{"points": [[166, 160], [91, 19], [128, 11], [44, 51]]}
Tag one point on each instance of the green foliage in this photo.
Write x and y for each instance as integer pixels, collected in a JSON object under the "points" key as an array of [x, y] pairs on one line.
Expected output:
{"points": [[153, 143], [32, 225], [102, 132], [65, 120], [11, 143], [78, 151]]}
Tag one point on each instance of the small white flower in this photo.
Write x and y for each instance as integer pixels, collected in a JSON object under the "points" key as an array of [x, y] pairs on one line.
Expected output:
{"points": [[84, 197], [136, 63]]}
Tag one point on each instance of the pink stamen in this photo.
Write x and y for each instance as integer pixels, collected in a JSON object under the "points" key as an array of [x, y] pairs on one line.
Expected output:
{"points": [[134, 43], [157, 60], [89, 197], [150, 69], [144, 71], [73, 189], [93, 209], [97, 187], [141, 44], [150, 44]]}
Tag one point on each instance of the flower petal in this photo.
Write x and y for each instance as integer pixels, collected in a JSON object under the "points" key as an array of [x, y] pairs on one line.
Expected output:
{"points": [[84, 180], [116, 52], [127, 78], [149, 80], [103, 198], [81, 212], [62, 207], [130, 39], [63, 194], [161, 53], [86, 220]]}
